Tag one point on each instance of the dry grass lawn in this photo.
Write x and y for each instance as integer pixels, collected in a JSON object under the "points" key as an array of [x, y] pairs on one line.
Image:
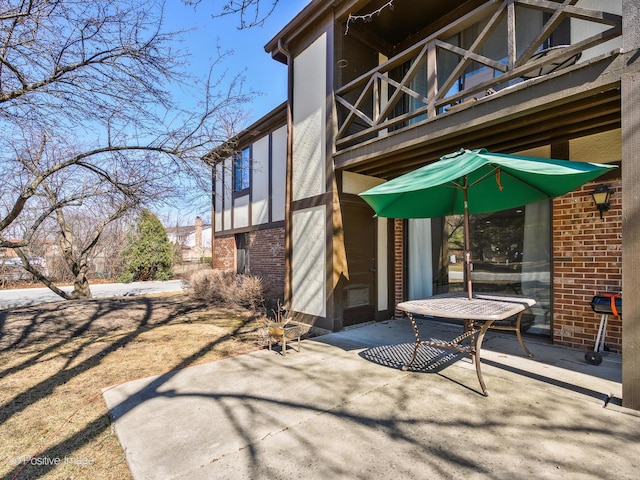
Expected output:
{"points": [[56, 358]]}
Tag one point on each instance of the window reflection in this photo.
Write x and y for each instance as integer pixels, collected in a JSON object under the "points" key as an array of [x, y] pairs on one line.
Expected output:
{"points": [[241, 168], [511, 254]]}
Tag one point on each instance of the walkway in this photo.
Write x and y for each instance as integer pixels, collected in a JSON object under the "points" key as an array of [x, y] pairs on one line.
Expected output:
{"points": [[341, 408]]}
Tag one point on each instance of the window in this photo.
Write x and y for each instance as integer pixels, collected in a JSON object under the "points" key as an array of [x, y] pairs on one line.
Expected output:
{"points": [[511, 252], [241, 168]]}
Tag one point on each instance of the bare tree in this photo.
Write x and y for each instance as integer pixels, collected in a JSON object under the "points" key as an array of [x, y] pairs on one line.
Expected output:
{"points": [[89, 122], [249, 12]]}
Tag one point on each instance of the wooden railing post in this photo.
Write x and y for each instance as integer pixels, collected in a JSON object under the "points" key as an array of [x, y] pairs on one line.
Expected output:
{"points": [[432, 79]]}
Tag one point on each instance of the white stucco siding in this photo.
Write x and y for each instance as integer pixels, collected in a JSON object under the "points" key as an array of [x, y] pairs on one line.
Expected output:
{"points": [[260, 182], [227, 193], [602, 147], [309, 261], [279, 173], [355, 183], [309, 115], [241, 212], [218, 197]]}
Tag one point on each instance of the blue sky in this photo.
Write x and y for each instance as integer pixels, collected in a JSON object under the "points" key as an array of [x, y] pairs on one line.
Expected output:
{"points": [[262, 73]]}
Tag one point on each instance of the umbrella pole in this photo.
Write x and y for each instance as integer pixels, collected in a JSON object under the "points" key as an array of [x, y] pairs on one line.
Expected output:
{"points": [[467, 242]]}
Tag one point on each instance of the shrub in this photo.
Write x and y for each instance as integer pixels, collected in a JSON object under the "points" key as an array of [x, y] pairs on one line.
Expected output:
{"points": [[148, 254], [227, 288]]}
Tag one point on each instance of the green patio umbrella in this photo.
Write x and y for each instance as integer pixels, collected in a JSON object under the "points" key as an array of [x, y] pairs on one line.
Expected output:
{"points": [[477, 181]]}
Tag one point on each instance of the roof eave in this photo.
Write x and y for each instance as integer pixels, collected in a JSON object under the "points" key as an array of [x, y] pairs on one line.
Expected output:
{"points": [[306, 17]]}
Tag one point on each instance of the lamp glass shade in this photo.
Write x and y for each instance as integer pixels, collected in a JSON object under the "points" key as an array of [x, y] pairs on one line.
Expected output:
{"points": [[601, 195]]}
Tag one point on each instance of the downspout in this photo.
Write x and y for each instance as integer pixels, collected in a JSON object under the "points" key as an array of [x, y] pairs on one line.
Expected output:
{"points": [[288, 247]]}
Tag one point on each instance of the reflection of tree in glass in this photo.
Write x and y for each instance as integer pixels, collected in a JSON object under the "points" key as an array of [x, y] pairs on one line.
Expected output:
{"points": [[455, 232], [496, 238]]}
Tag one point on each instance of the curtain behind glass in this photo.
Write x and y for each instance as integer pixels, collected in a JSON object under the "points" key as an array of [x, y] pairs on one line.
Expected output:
{"points": [[536, 261], [420, 261]]}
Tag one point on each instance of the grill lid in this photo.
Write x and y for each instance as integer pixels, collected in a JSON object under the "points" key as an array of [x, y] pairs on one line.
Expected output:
{"points": [[609, 303]]}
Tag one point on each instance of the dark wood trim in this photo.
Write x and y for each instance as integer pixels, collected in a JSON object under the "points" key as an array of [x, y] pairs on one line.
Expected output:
{"points": [[254, 228], [250, 206], [242, 193], [270, 173], [234, 159], [288, 241], [333, 315], [560, 151], [324, 199]]}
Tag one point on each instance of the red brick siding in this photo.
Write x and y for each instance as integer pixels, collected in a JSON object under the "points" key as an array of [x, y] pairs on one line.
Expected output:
{"points": [[224, 253], [266, 256], [398, 262], [587, 255]]}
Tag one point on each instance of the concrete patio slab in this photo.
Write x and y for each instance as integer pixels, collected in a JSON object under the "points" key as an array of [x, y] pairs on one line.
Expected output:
{"points": [[342, 408]]}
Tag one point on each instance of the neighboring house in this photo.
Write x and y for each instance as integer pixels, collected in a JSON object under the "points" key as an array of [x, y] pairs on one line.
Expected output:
{"points": [[8, 256], [379, 88], [11, 268], [194, 240]]}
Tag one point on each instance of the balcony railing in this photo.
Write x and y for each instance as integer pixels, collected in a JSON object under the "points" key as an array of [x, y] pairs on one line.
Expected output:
{"points": [[437, 74]]}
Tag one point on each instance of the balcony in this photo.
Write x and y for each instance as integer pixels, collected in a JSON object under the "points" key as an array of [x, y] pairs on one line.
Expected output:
{"points": [[483, 54]]}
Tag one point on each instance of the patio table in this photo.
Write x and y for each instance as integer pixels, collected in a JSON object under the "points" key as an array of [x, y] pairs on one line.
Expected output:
{"points": [[482, 308]]}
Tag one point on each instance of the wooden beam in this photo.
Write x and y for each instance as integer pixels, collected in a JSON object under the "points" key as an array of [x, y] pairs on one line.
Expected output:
{"points": [[631, 206]]}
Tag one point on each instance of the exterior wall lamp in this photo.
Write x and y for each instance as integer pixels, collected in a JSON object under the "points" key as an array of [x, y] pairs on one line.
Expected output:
{"points": [[601, 195]]}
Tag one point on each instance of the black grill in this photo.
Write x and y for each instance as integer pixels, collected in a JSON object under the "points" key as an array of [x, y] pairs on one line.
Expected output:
{"points": [[604, 303]]}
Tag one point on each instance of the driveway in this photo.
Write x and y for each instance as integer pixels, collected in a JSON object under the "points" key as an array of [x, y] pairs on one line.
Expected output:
{"points": [[343, 408], [33, 296]]}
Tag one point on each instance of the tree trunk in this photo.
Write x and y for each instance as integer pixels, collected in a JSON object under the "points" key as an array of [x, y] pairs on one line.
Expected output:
{"points": [[81, 286], [39, 276]]}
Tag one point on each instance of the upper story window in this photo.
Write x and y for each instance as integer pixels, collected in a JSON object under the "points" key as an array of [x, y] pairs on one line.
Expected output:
{"points": [[241, 169]]}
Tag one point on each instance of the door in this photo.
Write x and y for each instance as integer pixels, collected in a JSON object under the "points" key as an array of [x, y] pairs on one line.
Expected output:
{"points": [[359, 291]]}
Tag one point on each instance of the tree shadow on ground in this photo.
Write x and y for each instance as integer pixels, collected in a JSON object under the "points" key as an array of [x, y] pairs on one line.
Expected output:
{"points": [[85, 341], [430, 432]]}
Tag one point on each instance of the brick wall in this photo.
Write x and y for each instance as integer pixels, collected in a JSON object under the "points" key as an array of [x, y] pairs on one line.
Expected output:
{"points": [[266, 256], [224, 253], [398, 262], [587, 256]]}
